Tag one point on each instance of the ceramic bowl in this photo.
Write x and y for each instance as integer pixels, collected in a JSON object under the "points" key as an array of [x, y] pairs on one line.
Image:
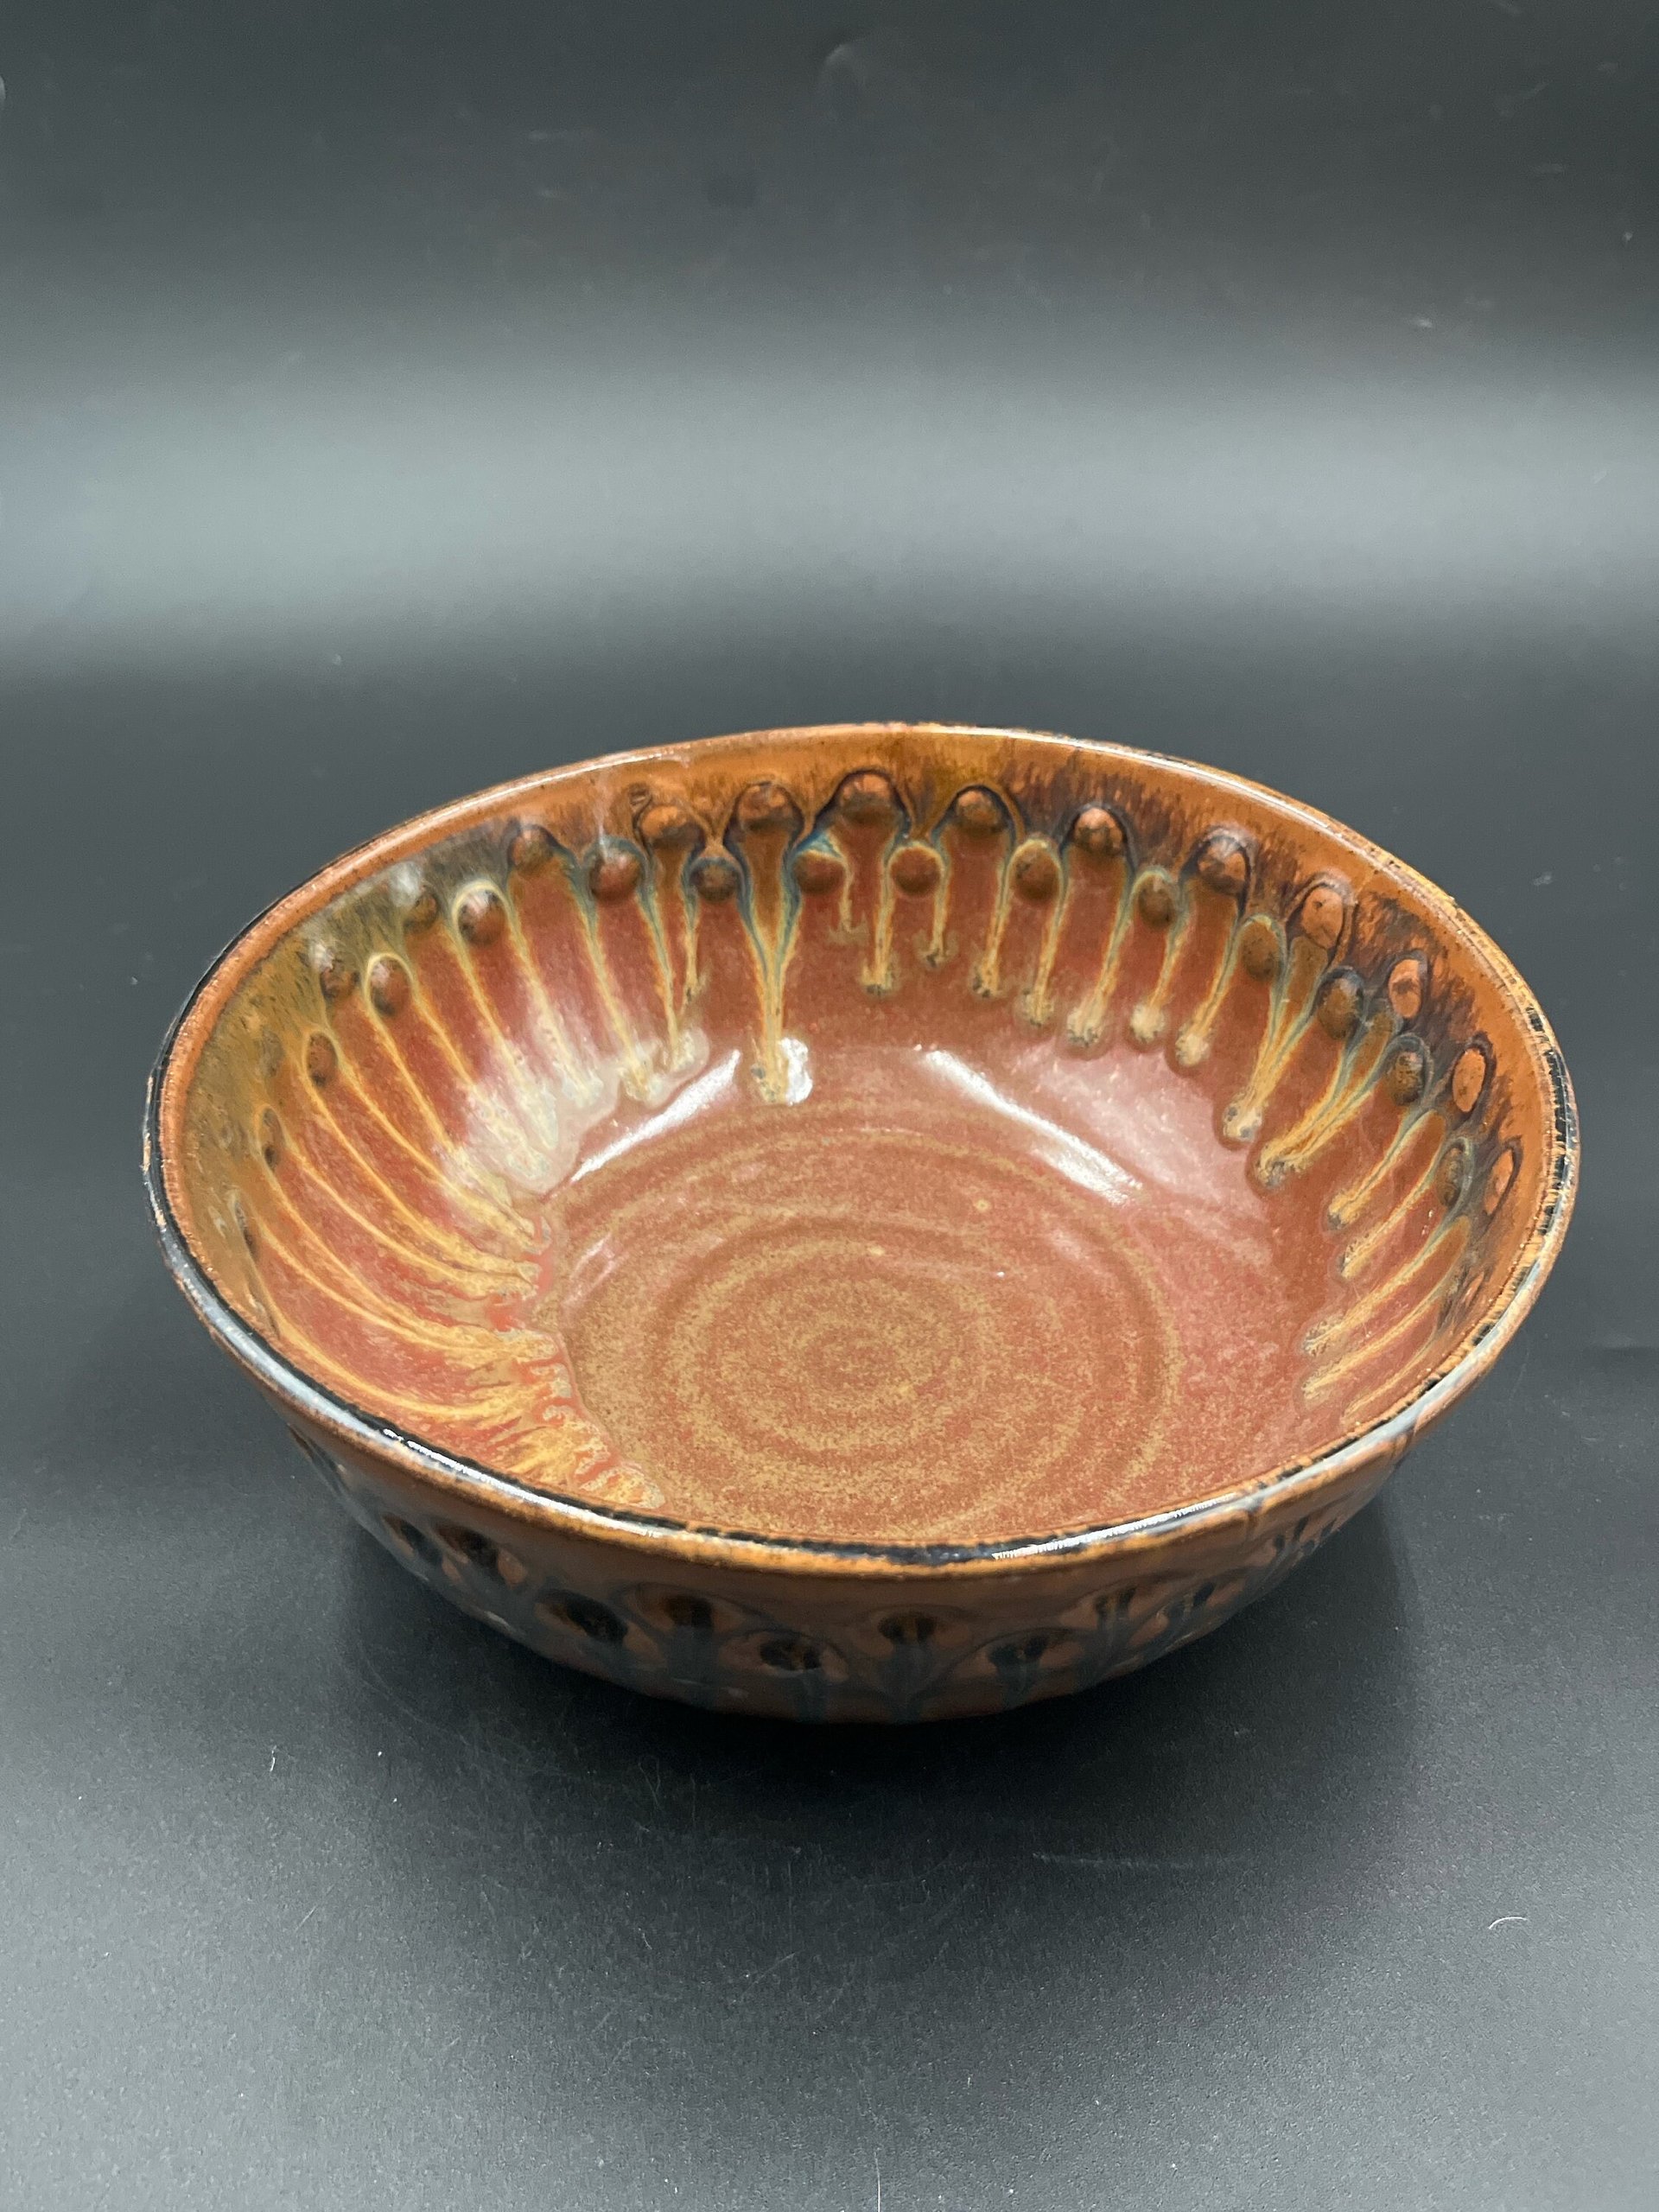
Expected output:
{"points": [[865, 1223]]}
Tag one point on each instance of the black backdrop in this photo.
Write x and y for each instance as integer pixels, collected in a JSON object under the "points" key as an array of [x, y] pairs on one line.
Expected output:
{"points": [[397, 397]]}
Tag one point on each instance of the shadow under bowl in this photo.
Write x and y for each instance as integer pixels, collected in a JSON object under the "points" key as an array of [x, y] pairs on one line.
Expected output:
{"points": [[873, 1222]]}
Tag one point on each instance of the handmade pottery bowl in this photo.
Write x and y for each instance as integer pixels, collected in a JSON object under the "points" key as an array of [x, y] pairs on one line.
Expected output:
{"points": [[867, 1223]]}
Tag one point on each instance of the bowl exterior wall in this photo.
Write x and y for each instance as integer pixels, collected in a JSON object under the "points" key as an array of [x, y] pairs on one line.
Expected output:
{"points": [[864, 1645]]}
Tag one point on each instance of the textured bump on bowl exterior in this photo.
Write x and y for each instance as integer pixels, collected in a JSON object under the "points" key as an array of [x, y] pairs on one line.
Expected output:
{"points": [[869, 1222]]}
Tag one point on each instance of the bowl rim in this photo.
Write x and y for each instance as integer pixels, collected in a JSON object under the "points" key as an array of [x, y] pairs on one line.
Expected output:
{"points": [[1383, 1439]]}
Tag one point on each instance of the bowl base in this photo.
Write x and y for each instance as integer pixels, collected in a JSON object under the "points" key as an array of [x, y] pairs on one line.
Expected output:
{"points": [[927, 1301]]}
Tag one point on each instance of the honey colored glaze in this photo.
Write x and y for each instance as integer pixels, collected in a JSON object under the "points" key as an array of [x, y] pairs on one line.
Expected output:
{"points": [[873, 1136]]}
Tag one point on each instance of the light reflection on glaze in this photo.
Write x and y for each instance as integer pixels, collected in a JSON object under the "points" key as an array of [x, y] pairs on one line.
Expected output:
{"points": [[1081, 1163], [696, 1097]]}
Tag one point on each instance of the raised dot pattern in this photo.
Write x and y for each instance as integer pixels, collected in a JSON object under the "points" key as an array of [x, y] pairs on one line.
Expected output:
{"points": [[906, 1665]]}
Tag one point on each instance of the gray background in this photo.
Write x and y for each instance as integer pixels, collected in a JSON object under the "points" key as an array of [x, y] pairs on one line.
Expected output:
{"points": [[397, 397]]}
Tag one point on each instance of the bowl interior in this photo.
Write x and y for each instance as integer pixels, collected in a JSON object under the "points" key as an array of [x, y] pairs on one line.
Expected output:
{"points": [[871, 1136]]}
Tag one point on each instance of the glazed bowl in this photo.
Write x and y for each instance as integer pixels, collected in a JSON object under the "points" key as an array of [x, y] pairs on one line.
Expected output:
{"points": [[870, 1223]]}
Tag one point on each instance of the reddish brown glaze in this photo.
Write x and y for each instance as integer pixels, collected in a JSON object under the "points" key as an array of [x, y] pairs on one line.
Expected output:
{"points": [[962, 1174]]}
